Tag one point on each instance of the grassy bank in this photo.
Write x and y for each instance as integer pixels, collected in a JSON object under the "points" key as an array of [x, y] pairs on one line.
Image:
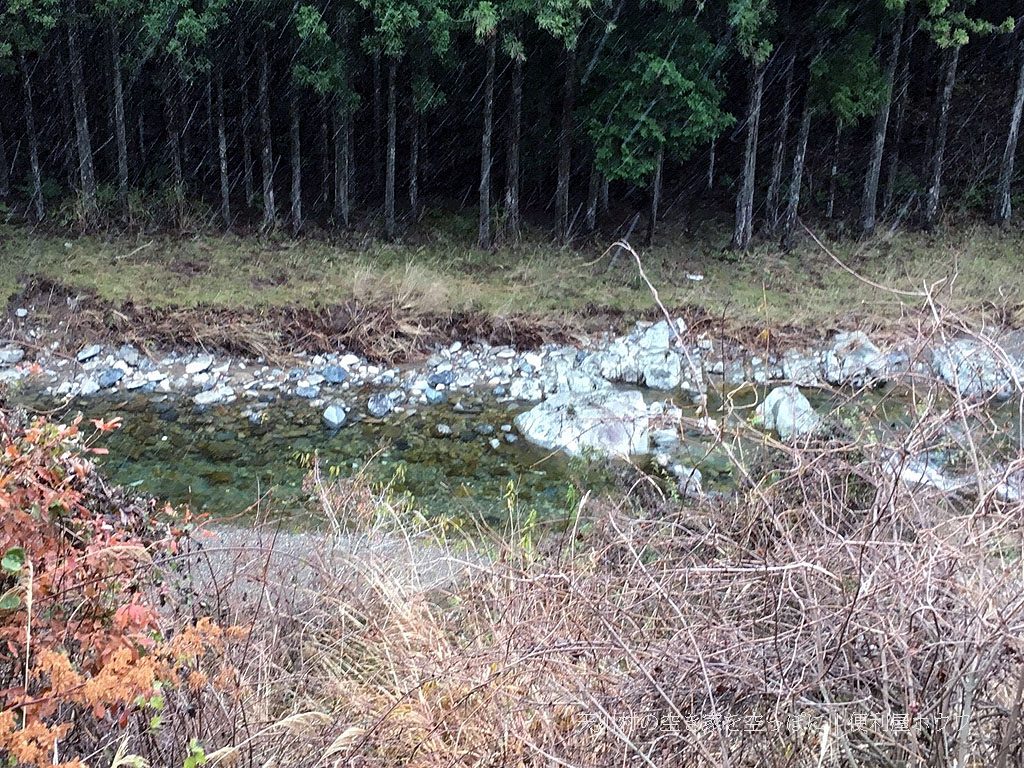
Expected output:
{"points": [[974, 270]]}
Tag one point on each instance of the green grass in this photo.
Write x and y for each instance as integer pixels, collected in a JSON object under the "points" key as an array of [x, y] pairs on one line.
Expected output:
{"points": [[972, 268]]}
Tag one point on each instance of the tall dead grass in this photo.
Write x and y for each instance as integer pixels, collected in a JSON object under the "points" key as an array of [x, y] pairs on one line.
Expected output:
{"points": [[828, 615]]}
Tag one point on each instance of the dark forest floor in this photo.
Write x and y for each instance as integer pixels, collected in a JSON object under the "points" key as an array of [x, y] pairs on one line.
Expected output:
{"points": [[440, 288]]}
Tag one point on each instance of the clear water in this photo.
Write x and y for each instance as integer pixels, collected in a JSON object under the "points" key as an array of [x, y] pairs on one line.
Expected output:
{"points": [[218, 461]]}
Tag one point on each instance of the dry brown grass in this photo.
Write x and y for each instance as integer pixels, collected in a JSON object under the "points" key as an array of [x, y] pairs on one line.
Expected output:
{"points": [[827, 615]]}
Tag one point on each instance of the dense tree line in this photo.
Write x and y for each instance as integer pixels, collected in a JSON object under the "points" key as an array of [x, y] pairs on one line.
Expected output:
{"points": [[580, 113]]}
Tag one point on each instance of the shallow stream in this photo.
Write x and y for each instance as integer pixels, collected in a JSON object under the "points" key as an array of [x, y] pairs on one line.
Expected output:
{"points": [[456, 460]]}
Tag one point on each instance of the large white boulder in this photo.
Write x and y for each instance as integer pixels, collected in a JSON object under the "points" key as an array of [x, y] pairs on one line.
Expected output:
{"points": [[786, 411], [604, 422]]}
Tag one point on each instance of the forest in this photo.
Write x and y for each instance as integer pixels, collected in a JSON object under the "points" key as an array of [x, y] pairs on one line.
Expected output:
{"points": [[576, 115]]}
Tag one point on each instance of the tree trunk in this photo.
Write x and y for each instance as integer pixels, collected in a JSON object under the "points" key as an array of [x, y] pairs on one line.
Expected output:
{"points": [[605, 206], [33, 140], [210, 156], [931, 213], [350, 176], [266, 145], [378, 122], [565, 147], [247, 162], [773, 200], [711, 166], [744, 231], [485, 146], [341, 167], [512, 153], [120, 130], [5, 177], [389, 172], [833, 172], [141, 150], [1003, 209], [324, 151], [68, 148], [869, 200], [902, 85], [174, 149], [593, 196], [222, 153], [86, 173], [296, 139], [652, 219], [414, 163], [797, 176]]}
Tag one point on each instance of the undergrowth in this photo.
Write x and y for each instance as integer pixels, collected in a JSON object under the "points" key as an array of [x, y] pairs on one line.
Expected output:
{"points": [[825, 615]]}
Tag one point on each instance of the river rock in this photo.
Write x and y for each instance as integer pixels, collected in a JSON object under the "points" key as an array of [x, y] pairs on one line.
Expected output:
{"points": [[442, 378], [334, 416], [11, 355], [528, 390], [380, 404], [108, 377], [801, 368], [617, 363], [689, 481], [335, 374], [853, 359], [89, 387], [199, 365], [128, 354], [307, 391], [88, 352], [786, 411], [605, 422], [434, 396], [214, 396], [973, 369]]}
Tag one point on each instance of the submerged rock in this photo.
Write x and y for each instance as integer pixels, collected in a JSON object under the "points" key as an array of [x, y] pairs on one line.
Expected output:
{"points": [[606, 422], [786, 411]]}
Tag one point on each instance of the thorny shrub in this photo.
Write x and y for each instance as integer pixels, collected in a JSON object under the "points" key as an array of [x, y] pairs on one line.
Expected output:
{"points": [[82, 651]]}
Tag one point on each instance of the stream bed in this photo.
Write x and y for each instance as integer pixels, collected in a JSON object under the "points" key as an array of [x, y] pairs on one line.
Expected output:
{"points": [[456, 460]]}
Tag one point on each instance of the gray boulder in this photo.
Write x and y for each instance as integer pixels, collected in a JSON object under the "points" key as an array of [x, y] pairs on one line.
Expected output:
{"points": [[786, 411], [606, 422], [200, 364], [11, 355], [525, 389], [801, 368], [335, 374], [380, 404], [334, 416], [108, 377], [973, 369], [853, 359], [88, 352], [214, 396]]}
